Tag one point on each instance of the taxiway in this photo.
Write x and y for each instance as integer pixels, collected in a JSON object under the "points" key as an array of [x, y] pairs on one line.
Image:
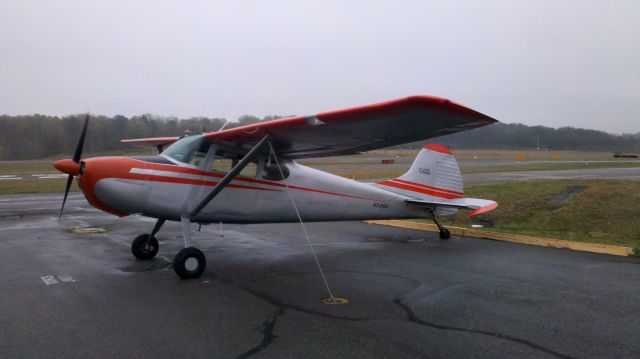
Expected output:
{"points": [[411, 295]]}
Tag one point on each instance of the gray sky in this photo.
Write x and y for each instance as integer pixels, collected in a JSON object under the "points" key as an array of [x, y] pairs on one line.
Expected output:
{"points": [[553, 63]]}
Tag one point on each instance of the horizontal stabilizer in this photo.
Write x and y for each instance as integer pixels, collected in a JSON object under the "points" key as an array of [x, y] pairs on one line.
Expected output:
{"points": [[478, 206]]}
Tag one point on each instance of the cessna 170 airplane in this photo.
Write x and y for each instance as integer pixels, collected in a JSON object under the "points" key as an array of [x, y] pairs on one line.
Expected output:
{"points": [[249, 174]]}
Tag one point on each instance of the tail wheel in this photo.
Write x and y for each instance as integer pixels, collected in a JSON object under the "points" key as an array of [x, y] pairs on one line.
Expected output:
{"points": [[189, 263], [445, 234], [144, 247]]}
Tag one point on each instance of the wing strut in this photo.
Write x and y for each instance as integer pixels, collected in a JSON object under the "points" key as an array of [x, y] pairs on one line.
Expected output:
{"points": [[231, 175]]}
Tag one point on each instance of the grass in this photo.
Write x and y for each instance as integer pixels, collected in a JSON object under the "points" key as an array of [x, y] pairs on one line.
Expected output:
{"points": [[35, 186], [27, 167], [596, 211], [366, 174], [518, 167], [507, 154]]}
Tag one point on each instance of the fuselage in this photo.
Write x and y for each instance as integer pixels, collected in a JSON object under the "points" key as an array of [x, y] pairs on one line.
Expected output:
{"points": [[158, 187]]}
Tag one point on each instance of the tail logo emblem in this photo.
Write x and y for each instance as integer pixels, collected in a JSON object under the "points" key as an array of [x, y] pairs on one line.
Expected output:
{"points": [[425, 171]]}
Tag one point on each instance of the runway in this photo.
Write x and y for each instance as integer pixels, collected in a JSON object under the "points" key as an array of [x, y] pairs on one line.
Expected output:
{"points": [[411, 295]]}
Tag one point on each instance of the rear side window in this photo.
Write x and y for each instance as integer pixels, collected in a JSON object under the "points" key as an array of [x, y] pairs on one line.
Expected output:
{"points": [[271, 172]]}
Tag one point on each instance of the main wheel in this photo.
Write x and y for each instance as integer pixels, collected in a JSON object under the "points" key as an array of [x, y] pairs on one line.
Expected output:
{"points": [[189, 263], [144, 247], [445, 234]]}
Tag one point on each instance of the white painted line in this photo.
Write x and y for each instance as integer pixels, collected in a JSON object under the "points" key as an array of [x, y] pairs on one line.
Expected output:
{"points": [[66, 278], [51, 177], [49, 280], [1, 176], [10, 178]]}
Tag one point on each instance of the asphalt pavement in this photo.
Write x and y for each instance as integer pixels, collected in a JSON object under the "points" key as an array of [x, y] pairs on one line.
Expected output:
{"points": [[411, 295]]}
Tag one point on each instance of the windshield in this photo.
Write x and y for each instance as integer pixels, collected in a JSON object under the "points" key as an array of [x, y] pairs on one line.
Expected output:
{"points": [[190, 150]]}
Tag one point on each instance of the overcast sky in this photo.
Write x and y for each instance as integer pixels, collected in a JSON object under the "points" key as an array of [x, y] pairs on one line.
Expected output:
{"points": [[553, 63]]}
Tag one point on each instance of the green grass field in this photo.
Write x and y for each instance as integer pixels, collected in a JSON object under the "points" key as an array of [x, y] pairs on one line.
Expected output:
{"points": [[35, 186], [26, 167], [527, 155], [382, 172], [596, 211]]}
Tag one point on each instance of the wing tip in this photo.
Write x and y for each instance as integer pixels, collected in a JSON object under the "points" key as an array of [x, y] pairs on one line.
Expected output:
{"points": [[451, 105]]}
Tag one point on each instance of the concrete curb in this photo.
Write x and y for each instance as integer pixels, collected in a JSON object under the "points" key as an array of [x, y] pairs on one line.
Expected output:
{"points": [[514, 238]]}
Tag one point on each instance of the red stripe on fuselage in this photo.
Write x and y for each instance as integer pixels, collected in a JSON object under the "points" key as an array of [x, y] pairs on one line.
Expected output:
{"points": [[199, 182], [187, 170], [419, 190], [429, 187]]}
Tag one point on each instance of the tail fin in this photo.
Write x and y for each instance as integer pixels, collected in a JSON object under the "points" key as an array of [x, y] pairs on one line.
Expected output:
{"points": [[434, 174], [434, 180]]}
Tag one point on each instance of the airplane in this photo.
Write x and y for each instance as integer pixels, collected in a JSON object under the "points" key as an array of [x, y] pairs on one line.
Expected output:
{"points": [[249, 174]]}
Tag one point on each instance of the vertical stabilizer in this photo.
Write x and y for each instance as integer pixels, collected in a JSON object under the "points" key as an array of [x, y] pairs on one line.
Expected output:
{"points": [[433, 176]]}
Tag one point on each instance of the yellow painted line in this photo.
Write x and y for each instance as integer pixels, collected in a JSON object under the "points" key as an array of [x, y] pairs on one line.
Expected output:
{"points": [[87, 230], [514, 238]]}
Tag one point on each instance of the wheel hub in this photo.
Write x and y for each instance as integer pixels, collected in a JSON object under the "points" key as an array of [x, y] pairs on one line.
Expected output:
{"points": [[191, 264]]}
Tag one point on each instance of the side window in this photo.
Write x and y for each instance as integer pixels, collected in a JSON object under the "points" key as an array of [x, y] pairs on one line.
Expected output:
{"points": [[222, 164], [250, 170], [199, 155]]}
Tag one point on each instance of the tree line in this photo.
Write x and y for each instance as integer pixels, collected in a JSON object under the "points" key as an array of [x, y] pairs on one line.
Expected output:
{"points": [[519, 136], [39, 136]]}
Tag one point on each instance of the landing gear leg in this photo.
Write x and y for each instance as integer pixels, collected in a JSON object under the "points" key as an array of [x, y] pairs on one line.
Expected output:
{"points": [[189, 262], [444, 233], [145, 246]]}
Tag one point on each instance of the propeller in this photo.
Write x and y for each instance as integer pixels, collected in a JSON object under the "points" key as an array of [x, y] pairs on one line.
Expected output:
{"points": [[72, 166]]}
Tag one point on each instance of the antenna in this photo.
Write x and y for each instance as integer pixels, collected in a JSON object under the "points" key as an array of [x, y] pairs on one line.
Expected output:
{"points": [[226, 122]]}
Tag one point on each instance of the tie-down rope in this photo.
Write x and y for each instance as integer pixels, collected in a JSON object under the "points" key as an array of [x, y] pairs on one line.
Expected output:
{"points": [[304, 229]]}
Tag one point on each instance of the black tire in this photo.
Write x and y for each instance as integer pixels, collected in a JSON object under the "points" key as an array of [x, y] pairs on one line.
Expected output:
{"points": [[189, 263], [445, 234], [144, 248]]}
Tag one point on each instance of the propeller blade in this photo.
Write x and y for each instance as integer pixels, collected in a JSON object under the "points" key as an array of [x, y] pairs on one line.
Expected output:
{"points": [[83, 134], [66, 193], [76, 158]]}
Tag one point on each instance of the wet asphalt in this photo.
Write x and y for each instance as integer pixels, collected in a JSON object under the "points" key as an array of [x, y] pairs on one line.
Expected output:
{"points": [[411, 295]]}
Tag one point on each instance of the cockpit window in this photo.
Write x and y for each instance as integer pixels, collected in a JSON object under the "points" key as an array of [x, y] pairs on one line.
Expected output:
{"points": [[191, 150]]}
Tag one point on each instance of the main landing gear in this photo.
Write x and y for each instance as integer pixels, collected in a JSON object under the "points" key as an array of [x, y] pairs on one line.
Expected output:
{"points": [[444, 233], [188, 263]]}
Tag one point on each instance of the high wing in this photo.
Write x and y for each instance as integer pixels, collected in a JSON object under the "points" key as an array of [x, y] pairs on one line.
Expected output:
{"points": [[357, 129], [153, 141]]}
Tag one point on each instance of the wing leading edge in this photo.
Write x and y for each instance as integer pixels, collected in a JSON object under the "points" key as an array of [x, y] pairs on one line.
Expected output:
{"points": [[356, 129]]}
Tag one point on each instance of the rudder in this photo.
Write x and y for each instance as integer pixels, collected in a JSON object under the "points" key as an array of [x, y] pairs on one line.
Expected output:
{"points": [[433, 174]]}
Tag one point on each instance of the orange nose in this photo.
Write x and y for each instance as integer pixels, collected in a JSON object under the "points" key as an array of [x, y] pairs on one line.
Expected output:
{"points": [[68, 166]]}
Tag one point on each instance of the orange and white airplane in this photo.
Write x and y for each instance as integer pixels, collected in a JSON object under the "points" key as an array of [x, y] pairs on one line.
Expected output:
{"points": [[249, 174]]}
